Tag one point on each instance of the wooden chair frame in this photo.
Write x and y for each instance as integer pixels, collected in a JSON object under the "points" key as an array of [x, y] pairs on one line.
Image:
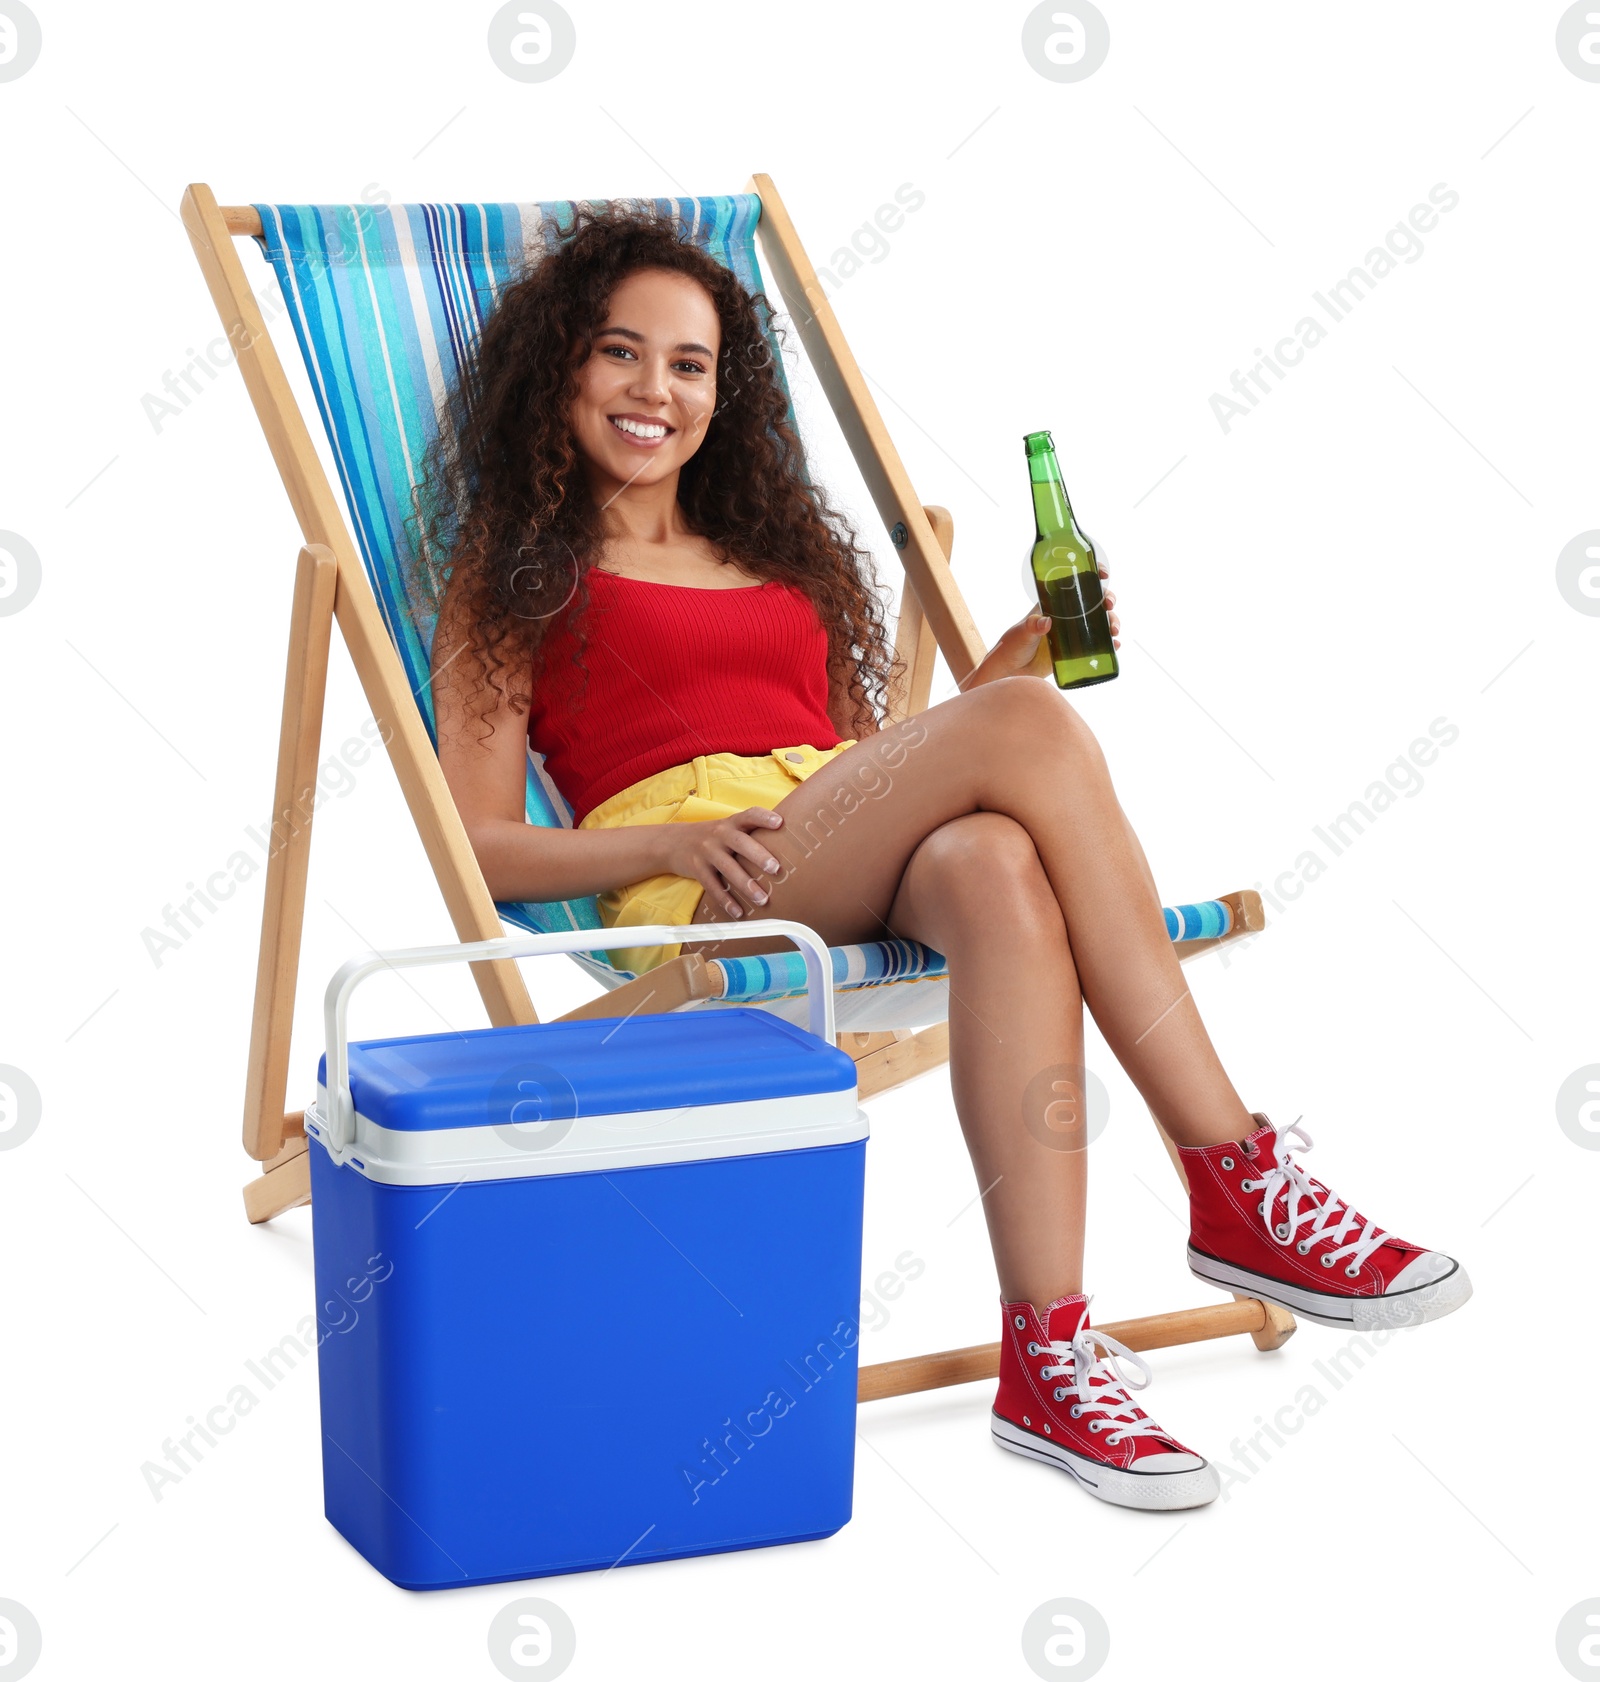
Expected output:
{"points": [[331, 585]]}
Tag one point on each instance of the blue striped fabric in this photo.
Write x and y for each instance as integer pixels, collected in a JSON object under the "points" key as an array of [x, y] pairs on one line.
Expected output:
{"points": [[1197, 922], [782, 975], [777, 975], [386, 302]]}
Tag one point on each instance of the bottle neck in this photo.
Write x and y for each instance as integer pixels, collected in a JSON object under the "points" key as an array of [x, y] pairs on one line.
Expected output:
{"points": [[1051, 511]]}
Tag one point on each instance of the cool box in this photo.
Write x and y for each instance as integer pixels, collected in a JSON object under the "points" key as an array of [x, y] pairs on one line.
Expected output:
{"points": [[588, 1291]]}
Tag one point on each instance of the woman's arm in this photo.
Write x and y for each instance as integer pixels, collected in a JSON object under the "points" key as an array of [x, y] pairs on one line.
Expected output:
{"points": [[487, 777]]}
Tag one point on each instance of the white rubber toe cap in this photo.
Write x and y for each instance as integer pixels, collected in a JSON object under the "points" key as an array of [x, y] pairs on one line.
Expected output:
{"points": [[1148, 1464], [1425, 1289]]}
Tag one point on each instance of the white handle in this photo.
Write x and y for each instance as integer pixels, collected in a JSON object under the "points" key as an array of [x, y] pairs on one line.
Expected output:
{"points": [[341, 1116]]}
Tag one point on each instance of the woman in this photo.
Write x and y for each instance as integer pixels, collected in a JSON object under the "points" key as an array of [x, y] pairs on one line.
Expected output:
{"points": [[644, 583]]}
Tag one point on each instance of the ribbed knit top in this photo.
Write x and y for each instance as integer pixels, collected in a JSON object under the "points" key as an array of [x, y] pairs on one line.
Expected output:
{"points": [[675, 671]]}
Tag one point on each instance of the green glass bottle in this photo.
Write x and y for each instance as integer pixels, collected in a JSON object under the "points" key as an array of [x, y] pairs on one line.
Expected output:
{"points": [[1068, 576]]}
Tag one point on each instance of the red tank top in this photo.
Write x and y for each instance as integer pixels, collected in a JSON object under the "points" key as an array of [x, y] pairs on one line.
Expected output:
{"points": [[675, 671]]}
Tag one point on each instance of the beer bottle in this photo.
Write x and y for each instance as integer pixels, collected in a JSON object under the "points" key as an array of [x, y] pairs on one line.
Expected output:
{"points": [[1068, 576]]}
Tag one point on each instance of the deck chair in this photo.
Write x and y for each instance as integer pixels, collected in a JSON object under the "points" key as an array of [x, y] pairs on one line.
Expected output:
{"points": [[385, 301]]}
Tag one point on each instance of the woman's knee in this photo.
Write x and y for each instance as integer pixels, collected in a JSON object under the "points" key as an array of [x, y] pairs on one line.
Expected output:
{"points": [[984, 868], [1031, 712]]}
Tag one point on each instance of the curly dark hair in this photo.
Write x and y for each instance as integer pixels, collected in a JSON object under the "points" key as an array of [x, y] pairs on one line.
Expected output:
{"points": [[504, 516]]}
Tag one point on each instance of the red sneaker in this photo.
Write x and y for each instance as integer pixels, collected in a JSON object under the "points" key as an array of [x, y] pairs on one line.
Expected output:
{"points": [[1061, 1402], [1260, 1226]]}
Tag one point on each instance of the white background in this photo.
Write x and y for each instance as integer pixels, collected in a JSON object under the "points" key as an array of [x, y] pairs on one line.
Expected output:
{"points": [[1372, 548]]}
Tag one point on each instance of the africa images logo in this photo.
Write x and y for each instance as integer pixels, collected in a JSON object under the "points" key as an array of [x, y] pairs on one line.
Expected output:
{"points": [[1402, 243]]}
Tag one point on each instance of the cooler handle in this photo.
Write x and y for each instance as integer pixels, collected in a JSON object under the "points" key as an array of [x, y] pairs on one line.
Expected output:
{"points": [[341, 1120]]}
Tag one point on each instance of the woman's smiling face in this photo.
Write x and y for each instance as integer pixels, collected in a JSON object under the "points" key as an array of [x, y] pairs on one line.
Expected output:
{"points": [[649, 385]]}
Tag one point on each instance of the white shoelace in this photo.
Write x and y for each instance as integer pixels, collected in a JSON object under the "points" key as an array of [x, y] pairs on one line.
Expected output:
{"points": [[1110, 1400], [1302, 1204]]}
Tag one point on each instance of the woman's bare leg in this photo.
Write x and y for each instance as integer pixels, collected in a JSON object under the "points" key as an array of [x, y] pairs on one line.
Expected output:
{"points": [[1018, 748], [975, 890]]}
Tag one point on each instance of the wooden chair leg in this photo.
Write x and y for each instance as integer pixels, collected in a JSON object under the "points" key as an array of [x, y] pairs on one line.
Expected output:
{"points": [[1279, 1327], [285, 1179], [283, 911]]}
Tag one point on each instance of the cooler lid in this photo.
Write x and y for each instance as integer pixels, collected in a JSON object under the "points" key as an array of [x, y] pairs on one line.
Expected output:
{"points": [[597, 1067]]}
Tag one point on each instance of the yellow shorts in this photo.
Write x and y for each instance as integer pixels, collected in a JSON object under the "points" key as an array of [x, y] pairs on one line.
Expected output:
{"points": [[714, 785]]}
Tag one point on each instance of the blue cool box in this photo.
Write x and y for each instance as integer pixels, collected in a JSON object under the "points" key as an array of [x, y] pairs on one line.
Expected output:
{"points": [[589, 1293]]}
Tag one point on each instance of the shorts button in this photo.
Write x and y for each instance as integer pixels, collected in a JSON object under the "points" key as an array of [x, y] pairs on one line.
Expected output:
{"points": [[795, 757]]}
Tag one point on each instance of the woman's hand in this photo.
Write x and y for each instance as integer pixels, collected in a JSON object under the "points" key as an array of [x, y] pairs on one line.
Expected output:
{"points": [[723, 854], [1111, 602], [1022, 650]]}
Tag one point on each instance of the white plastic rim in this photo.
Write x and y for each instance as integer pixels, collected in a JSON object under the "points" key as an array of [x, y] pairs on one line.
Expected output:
{"points": [[454, 1156], [341, 1118]]}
